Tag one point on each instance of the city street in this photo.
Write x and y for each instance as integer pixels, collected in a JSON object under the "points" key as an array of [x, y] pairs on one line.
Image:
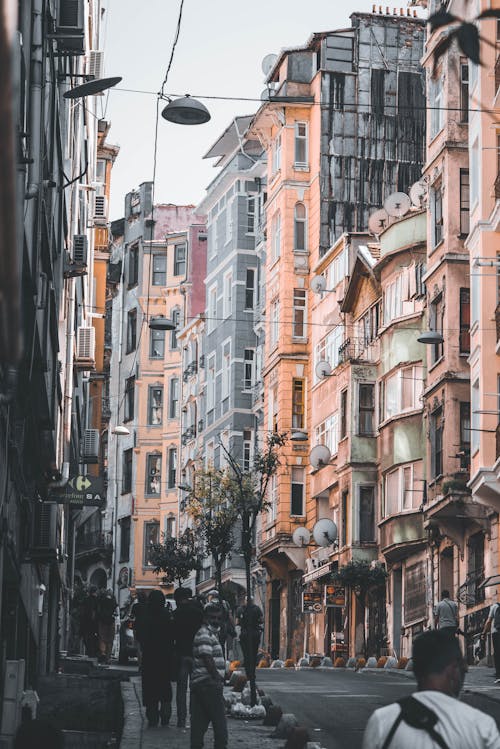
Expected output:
{"points": [[335, 705]]}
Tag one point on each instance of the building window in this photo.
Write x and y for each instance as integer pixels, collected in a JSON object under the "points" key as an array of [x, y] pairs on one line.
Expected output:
{"points": [[133, 266], [173, 408], [402, 391], [276, 236], [344, 518], [249, 369], [436, 323], [212, 308], [300, 242], [211, 383], [475, 417], [378, 91], [299, 313], [337, 90], [226, 371], [176, 318], [474, 173], [436, 438], [131, 330], [475, 569], [415, 598], [435, 104], [159, 270], [366, 410], [250, 289], [464, 91], [151, 539], [153, 474], [273, 410], [343, 414], [180, 260], [129, 403], [247, 449], [464, 202], [155, 405], [275, 322], [273, 499], [367, 326], [127, 471], [125, 525], [298, 394], [227, 299], [172, 467], [156, 344], [251, 201], [437, 214], [297, 492], [328, 349], [399, 492], [327, 433], [366, 514], [276, 155], [464, 435], [465, 321], [301, 148]]}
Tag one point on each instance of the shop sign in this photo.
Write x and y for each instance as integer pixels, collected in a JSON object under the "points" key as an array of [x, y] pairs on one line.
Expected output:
{"points": [[312, 598], [334, 596]]}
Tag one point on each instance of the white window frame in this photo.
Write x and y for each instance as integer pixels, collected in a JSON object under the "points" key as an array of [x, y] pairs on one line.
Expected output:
{"points": [[273, 499], [173, 390], [276, 236], [407, 499], [229, 221], [251, 214], [251, 288], [299, 314], [302, 222], [301, 142], [276, 154], [274, 323], [248, 369], [327, 432], [327, 349], [394, 391], [227, 298], [226, 370], [436, 93], [298, 471], [212, 308], [337, 270], [210, 382], [248, 449]]}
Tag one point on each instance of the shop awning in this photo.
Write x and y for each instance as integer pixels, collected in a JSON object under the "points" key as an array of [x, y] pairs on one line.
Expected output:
{"points": [[322, 571]]}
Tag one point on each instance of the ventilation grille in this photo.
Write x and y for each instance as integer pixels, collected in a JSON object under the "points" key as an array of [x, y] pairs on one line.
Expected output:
{"points": [[100, 209], [94, 63], [90, 448], [85, 346], [80, 249]]}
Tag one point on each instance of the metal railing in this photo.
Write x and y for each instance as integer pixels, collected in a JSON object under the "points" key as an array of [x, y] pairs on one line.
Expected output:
{"points": [[98, 540], [470, 591]]}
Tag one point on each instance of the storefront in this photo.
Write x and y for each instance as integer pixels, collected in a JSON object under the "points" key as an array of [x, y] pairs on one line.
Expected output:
{"points": [[324, 609]]}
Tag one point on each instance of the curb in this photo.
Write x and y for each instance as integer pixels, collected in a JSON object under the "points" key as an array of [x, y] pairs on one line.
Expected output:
{"points": [[132, 725]]}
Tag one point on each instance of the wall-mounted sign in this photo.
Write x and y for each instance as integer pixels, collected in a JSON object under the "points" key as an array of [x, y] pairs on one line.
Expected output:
{"points": [[81, 491], [334, 596], [312, 598]]}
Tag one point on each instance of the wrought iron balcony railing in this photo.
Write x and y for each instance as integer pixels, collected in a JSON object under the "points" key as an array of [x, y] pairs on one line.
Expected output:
{"points": [[96, 540], [470, 593]]}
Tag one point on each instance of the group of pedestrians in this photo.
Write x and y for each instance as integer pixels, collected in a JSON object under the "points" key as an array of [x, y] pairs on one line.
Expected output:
{"points": [[97, 623]]}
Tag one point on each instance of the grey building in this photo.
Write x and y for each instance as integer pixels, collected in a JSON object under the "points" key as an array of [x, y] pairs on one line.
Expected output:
{"points": [[234, 206]]}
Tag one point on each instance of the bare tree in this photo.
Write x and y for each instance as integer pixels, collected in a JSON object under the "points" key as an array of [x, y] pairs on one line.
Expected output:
{"points": [[176, 557]]}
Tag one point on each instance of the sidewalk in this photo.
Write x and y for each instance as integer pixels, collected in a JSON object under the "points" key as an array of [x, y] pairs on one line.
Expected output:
{"points": [[242, 734]]}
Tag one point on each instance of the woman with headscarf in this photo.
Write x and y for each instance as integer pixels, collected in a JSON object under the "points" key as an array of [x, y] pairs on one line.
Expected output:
{"points": [[157, 652]]}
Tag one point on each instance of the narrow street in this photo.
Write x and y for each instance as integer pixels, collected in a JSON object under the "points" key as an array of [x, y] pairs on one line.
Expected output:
{"points": [[335, 705]]}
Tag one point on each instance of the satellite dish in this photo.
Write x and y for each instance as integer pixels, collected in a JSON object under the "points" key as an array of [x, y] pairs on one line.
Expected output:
{"points": [[378, 221], [319, 456], [91, 88], [323, 369], [325, 532], [318, 284], [267, 63], [418, 194], [397, 204], [265, 95], [301, 536]]}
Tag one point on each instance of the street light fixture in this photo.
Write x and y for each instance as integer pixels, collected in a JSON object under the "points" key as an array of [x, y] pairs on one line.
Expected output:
{"points": [[430, 337], [299, 436], [186, 111], [162, 323], [92, 87], [120, 430]]}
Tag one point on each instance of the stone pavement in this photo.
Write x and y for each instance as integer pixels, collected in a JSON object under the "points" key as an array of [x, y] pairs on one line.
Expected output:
{"points": [[136, 734]]}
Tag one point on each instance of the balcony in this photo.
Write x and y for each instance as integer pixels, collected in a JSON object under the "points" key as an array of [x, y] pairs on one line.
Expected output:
{"points": [[471, 593], [188, 434], [190, 370], [401, 535], [94, 545], [358, 349]]}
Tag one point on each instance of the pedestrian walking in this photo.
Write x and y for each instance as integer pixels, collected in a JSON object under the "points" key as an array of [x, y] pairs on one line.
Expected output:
{"points": [[492, 625], [250, 619], [433, 716], [227, 629], [157, 659], [106, 607], [88, 622], [446, 614], [138, 614], [187, 619], [207, 680]]}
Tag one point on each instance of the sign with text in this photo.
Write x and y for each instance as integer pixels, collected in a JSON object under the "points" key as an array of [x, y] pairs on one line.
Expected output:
{"points": [[334, 596], [312, 598], [81, 491]]}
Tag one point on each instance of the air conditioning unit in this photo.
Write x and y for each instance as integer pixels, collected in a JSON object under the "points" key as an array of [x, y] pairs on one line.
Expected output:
{"points": [[100, 210], [80, 247], [94, 63], [70, 26], [90, 446], [85, 348], [45, 541]]}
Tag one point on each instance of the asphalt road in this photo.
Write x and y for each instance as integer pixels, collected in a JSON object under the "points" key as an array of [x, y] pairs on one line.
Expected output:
{"points": [[335, 705]]}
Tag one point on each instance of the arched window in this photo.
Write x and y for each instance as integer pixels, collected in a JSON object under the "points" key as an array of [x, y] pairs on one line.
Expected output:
{"points": [[300, 226]]}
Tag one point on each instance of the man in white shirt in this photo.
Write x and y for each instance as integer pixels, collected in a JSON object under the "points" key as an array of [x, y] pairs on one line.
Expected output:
{"points": [[446, 614], [439, 669], [491, 624]]}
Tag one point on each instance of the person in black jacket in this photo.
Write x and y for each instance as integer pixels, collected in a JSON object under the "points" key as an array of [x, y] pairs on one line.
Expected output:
{"points": [[157, 660], [188, 618]]}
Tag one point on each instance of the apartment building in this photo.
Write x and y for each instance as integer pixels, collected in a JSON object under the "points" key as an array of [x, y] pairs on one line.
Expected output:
{"points": [[343, 128], [160, 260], [234, 205]]}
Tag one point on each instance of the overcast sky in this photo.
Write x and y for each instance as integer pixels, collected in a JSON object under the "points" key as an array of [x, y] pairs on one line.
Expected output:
{"points": [[219, 53]]}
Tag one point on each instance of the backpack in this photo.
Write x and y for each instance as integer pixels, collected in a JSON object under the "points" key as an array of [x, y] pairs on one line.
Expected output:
{"points": [[416, 715], [496, 617]]}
